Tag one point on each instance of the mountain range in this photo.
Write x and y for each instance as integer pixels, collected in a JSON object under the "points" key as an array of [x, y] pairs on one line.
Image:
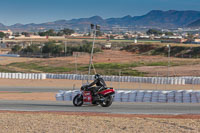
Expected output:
{"points": [[153, 19], [195, 24]]}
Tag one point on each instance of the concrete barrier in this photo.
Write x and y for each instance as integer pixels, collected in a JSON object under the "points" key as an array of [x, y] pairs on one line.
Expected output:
{"points": [[147, 96], [162, 98], [155, 95], [152, 80], [23, 76], [179, 96], [140, 96], [132, 96], [171, 97]]}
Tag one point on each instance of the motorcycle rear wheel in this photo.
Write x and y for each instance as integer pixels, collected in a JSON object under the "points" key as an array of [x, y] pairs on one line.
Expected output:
{"points": [[108, 101], [78, 100]]}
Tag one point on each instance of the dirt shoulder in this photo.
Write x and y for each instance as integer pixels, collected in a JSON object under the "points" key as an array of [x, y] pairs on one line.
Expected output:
{"points": [[42, 96], [63, 83], [88, 123], [189, 70]]}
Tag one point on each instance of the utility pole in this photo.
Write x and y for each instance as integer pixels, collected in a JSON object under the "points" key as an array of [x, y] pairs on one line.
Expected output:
{"points": [[65, 47], [75, 56], [94, 30], [169, 50]]}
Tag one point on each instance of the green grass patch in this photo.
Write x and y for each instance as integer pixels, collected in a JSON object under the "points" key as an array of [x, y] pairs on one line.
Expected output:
{"points": [[126, 69], [6, 69], [46, 69], [161, 64], [116, 65], [132, 73], [117, 69]]}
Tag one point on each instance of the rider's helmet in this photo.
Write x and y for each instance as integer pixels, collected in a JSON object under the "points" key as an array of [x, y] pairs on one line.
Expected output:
{"points": [[96, 76]]}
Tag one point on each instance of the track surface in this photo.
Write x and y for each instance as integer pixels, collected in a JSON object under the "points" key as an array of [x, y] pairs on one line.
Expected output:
{"points": [[119, 108]]}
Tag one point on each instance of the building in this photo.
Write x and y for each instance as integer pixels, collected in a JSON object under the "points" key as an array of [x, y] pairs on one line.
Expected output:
{"points": [[172, 37], [119, 37], [144, 37], [77, 35], [196, 41], [7, 32]]}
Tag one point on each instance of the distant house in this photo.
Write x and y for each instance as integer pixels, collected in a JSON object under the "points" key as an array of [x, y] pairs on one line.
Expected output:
{"points": [[77, 35], [144, 37], [107, 46], [119, 37], [7, 32], [196, 41], [11, 37], [172, 37]]}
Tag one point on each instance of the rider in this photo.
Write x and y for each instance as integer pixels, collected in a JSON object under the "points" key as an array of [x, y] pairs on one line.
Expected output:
{"points": [[100, 83]]}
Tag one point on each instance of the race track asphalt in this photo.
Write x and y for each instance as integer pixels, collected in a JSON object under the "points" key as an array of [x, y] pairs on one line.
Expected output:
{"points": [[119, 108], [116, 108]]}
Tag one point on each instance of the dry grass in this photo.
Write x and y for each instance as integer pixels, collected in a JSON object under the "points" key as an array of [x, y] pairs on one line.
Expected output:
{"points": [[101, 40], [183, 67], [63, 123], [8, 60], [42, 96]]}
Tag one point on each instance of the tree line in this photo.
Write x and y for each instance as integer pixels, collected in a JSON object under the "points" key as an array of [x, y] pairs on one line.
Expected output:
{"points": [[2, 35], [52, 32], [53, 48], [158, 32]]}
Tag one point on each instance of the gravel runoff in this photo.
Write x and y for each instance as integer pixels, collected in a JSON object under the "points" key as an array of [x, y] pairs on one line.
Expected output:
{"points": [[51, 122]]}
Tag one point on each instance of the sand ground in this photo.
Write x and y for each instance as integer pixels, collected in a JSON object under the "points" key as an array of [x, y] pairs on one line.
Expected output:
{"points": [[44, 96], [59, 83], [51, 122], [187, 67]]}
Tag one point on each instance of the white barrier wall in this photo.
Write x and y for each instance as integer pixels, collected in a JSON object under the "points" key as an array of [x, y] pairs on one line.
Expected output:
{"points": [[180, 96], [151, 80], [23, 76]]}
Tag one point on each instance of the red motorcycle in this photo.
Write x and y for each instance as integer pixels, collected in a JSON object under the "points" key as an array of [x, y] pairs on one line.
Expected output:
{"points": [[104, 97]]}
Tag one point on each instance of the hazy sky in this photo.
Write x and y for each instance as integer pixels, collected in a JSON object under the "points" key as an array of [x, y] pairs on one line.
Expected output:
{"points": [[38, 11]]}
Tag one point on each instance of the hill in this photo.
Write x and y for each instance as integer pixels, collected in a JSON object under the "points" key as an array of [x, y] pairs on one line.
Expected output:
{"points": [[153, 19], [195, 24]]}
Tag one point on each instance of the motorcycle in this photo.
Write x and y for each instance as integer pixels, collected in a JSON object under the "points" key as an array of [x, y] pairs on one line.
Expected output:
{"points": [[104, 97]]}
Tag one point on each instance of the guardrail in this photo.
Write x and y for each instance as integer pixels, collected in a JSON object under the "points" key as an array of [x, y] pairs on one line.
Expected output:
{"points": [[23, 76], [179, 96], [150, 80]]}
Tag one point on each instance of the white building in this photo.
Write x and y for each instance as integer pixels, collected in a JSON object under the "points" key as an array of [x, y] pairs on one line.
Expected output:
{"points": [[7, 32], [119, 37]]}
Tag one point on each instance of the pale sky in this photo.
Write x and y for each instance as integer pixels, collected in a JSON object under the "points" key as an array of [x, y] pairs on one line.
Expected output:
{"points": [[38, 11]]}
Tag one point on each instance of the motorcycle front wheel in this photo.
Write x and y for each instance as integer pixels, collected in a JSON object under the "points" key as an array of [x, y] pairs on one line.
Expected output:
{"points": [[78, 100], [107, 102]]}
